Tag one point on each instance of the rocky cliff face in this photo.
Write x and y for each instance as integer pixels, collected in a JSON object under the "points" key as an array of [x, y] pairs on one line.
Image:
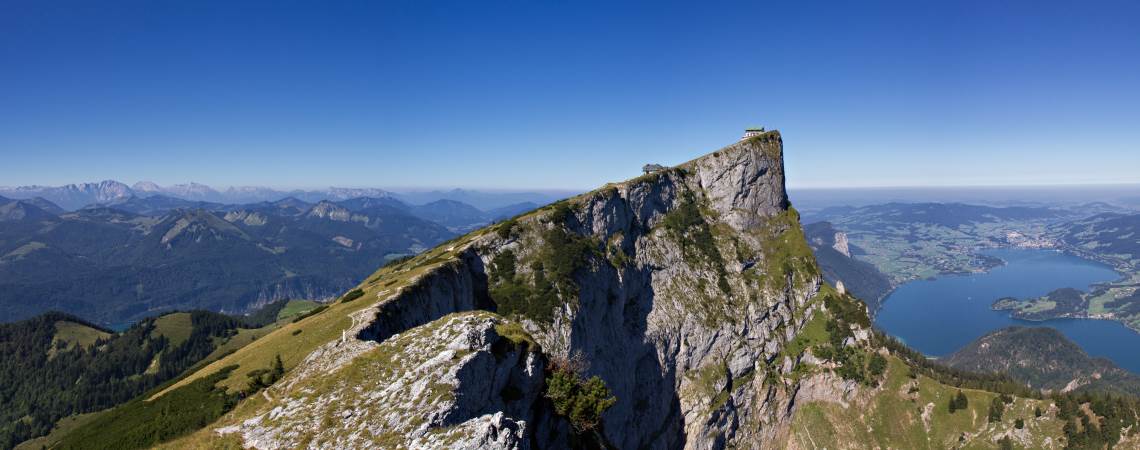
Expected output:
{"points": [[841, 244], [682, 290]]}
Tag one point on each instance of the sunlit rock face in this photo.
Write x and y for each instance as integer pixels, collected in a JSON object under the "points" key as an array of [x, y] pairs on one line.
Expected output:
{"points": [[685, 289]]}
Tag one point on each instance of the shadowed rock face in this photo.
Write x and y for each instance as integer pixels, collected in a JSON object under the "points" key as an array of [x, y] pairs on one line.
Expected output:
{"points": [[661, 310]]}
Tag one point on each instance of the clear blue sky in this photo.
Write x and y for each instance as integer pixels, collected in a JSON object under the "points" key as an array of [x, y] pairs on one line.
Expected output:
{"points": [[568, 94]]}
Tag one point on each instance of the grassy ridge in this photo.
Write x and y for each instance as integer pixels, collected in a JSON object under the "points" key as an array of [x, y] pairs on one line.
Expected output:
{"points": [[69, 335], [176, 327], [327, 325], [296, 308], [913, 413]]}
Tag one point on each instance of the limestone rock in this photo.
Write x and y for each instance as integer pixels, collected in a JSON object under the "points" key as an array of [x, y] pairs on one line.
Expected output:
{"points": [[437, 385], [692, 351], [841, 244]]}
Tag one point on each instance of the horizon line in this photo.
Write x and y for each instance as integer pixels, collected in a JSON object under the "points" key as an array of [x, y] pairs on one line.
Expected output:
{"points": [[973, 186], [412, 189]]}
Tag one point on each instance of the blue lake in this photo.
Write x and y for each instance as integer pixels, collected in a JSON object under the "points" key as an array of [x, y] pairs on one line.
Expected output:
{"points": [[940, 316]]}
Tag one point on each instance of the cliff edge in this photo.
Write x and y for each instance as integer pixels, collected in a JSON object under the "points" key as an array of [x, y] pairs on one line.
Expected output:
{"points": [[683, 292]]}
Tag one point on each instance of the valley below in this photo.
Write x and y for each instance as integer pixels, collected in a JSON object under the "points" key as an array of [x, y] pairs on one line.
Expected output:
{"points": [[877, 250], [941, 315]]}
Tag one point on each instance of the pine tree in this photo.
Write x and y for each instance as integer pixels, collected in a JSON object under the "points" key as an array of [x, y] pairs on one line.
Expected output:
{"points": [[278, 367], [997, 407], [958, 401]]}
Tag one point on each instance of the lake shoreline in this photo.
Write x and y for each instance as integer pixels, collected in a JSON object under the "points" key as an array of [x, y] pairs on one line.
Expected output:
{"points": [[940, 316]]}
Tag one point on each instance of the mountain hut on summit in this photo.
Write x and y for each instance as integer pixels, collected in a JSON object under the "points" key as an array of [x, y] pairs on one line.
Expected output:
{"points": [[748, 132], [751, 132]]}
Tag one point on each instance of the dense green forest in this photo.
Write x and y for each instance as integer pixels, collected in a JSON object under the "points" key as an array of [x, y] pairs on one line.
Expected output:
{"points": [[141, 423], [46, 374]]}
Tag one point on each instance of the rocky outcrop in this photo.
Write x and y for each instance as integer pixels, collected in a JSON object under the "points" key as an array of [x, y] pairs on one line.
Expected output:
{"points": [[745, 182], [457, 285], [841, 245], [250, 218], [331, 211], [455, 383], [695, 281]]}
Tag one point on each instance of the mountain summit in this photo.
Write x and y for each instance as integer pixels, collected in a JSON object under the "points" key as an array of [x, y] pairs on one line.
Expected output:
{"points": [[679, 309], [677, 291]]}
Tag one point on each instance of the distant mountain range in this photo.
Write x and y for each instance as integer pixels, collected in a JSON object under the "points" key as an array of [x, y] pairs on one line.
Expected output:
{"points": [[948, 215], [131, 256], [139, 256], [1112, 238], [454, 215], [74, 196], [1117, 197]]}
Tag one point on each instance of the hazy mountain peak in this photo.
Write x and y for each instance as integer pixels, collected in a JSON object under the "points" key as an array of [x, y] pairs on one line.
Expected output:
{"points": [[335, 193], [328, 210], [73, 196], [365, 203], [292, 202], [18, 210], [45, 205], [146, 186], [196, 225]]}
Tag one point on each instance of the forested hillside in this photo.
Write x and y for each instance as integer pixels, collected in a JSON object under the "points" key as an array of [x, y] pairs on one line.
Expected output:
{"points": [[1044, 359], [57, 365]]}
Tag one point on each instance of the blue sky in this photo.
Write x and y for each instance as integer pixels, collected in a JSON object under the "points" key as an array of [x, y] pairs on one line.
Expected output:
{"points": [[565, 95]]}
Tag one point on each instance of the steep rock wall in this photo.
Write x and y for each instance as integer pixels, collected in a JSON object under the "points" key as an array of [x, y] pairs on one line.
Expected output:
{"points": [[696, 283]]}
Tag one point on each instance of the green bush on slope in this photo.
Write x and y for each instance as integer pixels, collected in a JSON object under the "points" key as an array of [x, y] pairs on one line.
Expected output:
{"points": [[688, 226], [561, 255], [958, 402], [352, 295], [581, 401]]}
